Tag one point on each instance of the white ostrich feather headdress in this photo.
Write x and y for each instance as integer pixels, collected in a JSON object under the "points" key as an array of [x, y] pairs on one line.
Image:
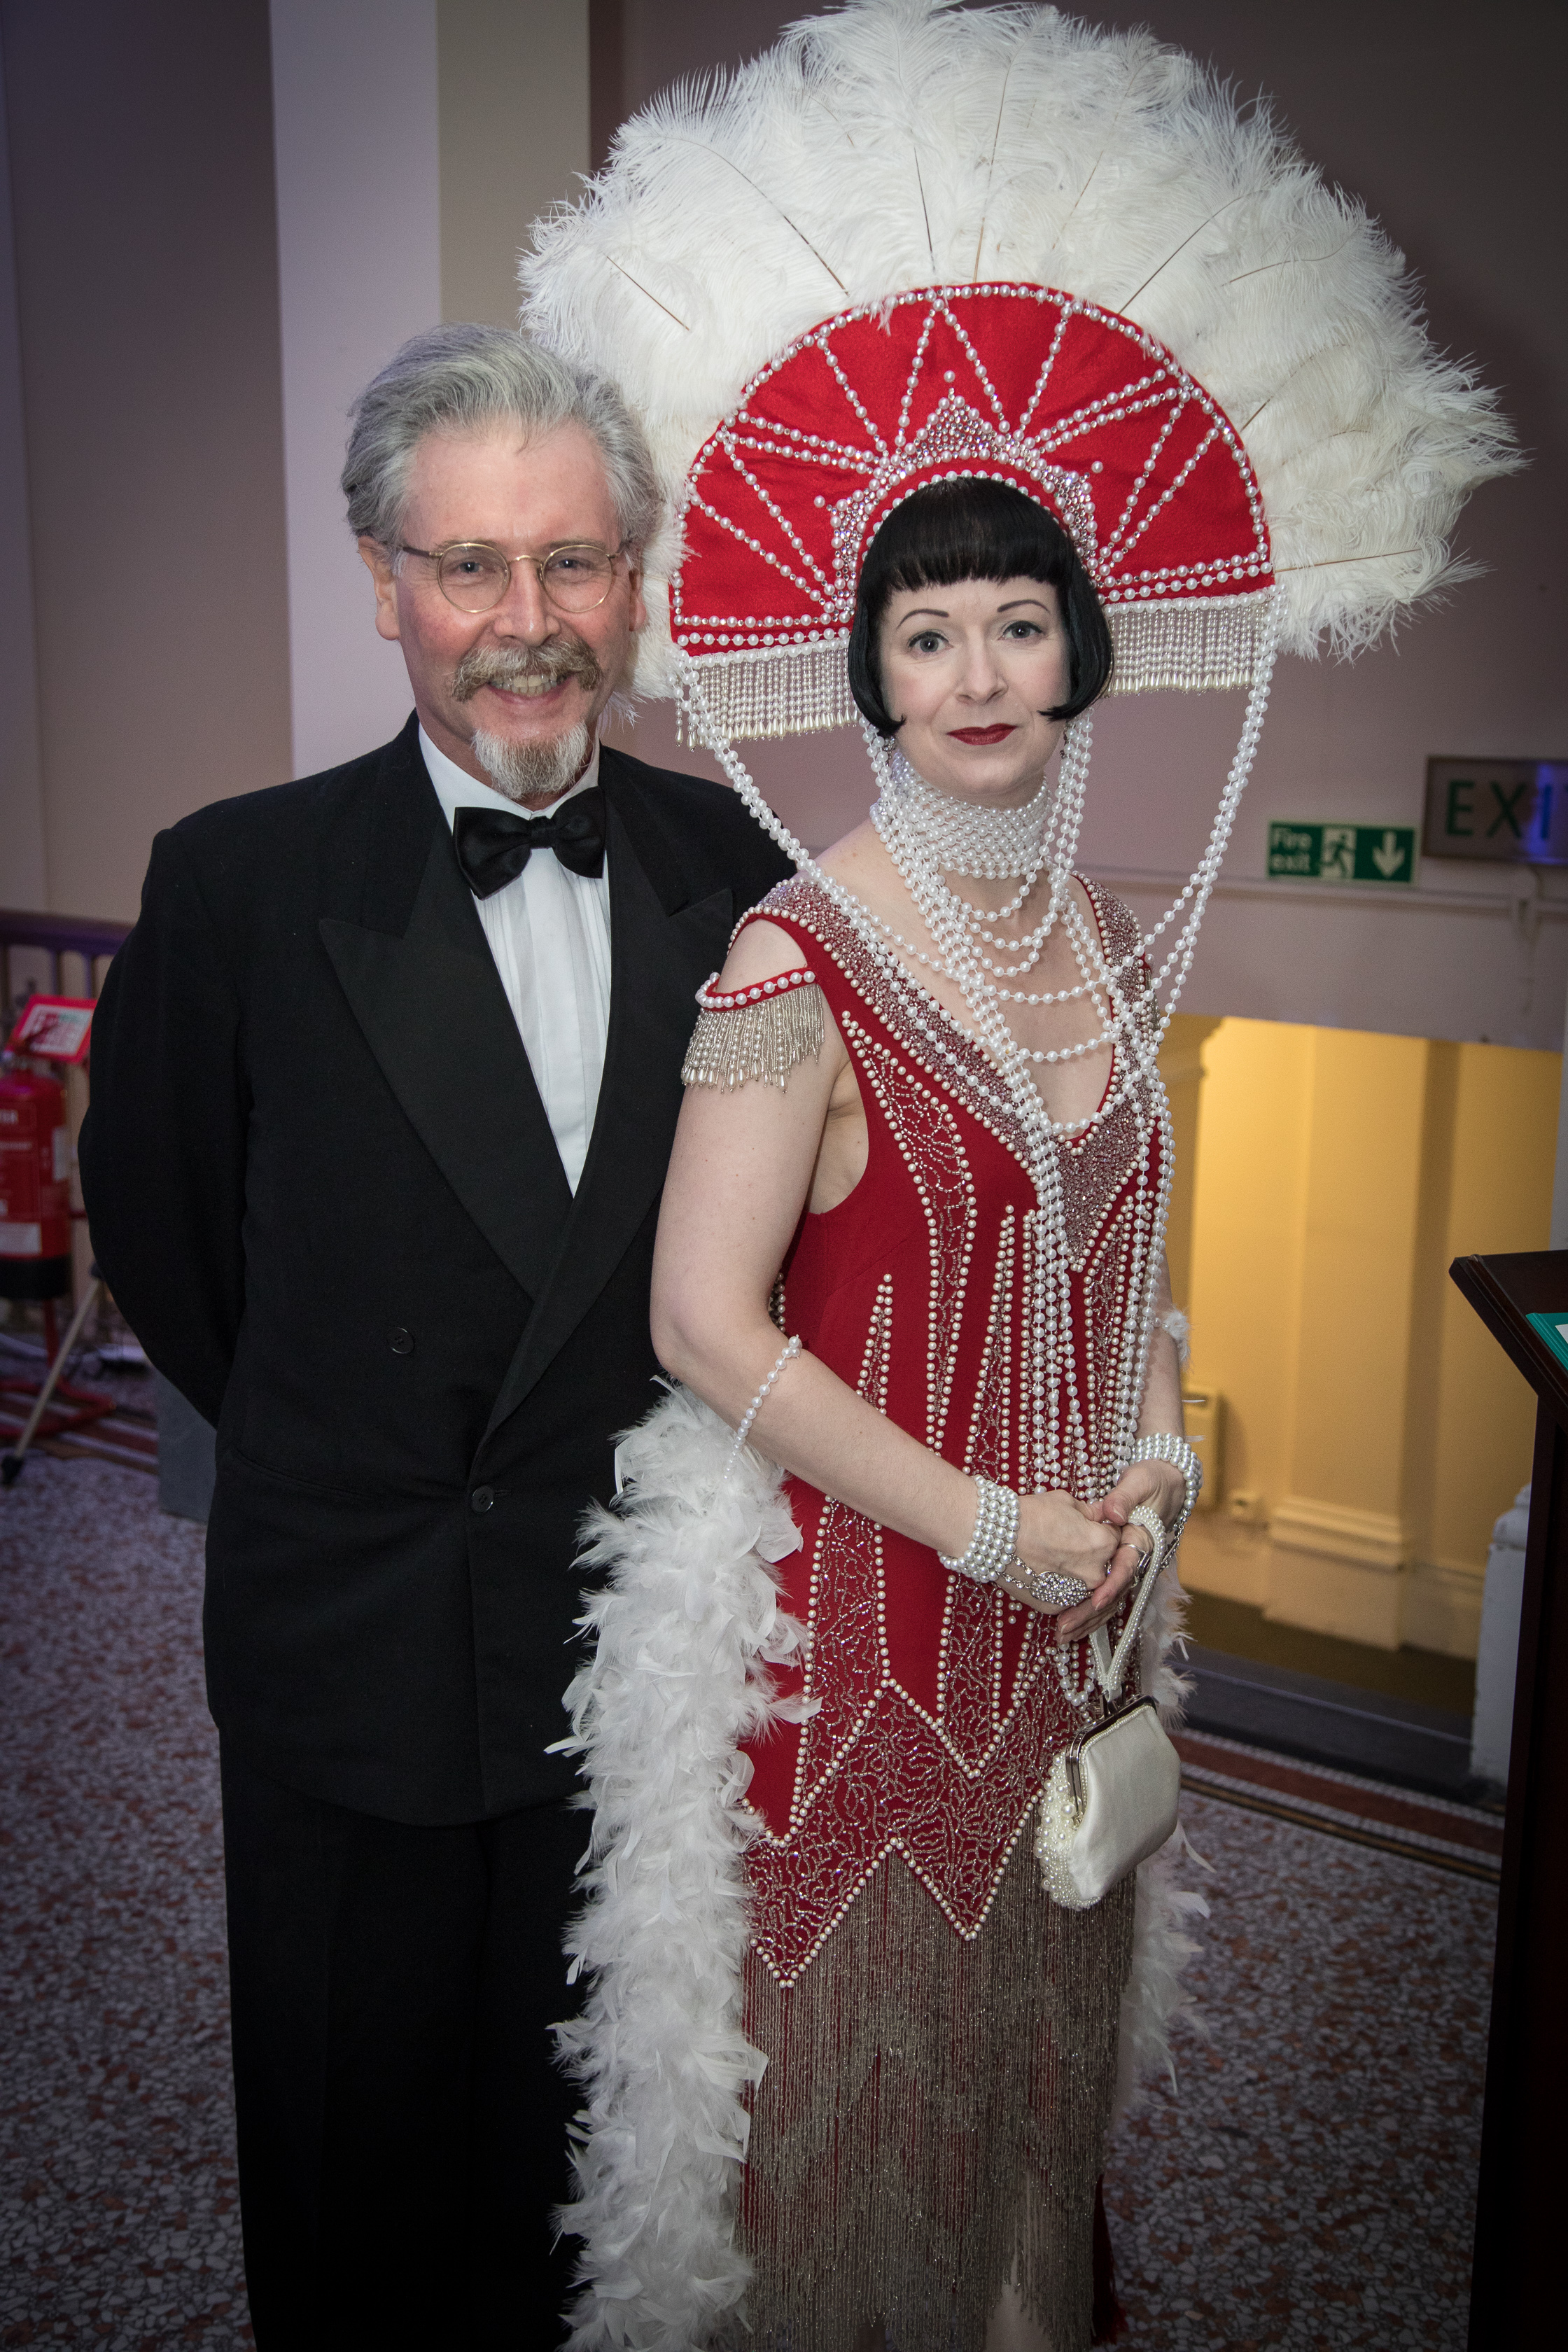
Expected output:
{"points": [[906, 162]]}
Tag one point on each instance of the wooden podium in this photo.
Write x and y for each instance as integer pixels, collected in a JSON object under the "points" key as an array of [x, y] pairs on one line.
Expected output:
{"points": [[1516, 2294]]}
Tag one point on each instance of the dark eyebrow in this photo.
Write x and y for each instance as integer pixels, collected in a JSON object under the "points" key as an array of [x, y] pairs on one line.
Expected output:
{"points": [[939, 613]]}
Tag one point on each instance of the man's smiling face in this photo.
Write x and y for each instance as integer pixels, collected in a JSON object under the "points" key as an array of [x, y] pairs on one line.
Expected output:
{"points": [[523, 678]]}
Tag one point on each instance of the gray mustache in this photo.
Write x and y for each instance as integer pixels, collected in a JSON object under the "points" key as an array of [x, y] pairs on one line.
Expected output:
{"points": [[546, 664]]}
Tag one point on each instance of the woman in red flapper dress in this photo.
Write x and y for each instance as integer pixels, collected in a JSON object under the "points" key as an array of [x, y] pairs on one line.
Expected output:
{"points": [[925, 1139]]}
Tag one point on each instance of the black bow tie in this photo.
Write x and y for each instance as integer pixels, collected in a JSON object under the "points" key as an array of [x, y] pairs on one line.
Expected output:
{"points": [[493, 846]]}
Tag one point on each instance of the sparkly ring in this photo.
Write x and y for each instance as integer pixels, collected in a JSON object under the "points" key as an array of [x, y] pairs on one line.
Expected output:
{"points": [[1043, 1587]]}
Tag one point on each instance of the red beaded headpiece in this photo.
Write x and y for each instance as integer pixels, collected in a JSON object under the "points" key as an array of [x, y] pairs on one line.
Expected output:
{"points": [[1077, 407]]}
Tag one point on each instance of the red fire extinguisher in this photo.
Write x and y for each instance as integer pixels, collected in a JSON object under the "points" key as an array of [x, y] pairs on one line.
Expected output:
{"points": [[34, 1186]]}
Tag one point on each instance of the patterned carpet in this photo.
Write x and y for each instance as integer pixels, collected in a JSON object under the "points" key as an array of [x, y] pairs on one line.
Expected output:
{"points": [[1312, 2181], [1308, 2184]]}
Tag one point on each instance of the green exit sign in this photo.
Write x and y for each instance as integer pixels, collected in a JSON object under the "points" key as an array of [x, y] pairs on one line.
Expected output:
{"points": [[1326, 852]]}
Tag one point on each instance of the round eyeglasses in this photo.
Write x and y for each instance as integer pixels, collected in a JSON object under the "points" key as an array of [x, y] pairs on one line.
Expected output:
{"points": [[474, 576]]}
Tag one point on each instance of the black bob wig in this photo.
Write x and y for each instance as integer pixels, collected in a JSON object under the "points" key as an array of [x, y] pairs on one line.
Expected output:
{"points": [[975, 530]]}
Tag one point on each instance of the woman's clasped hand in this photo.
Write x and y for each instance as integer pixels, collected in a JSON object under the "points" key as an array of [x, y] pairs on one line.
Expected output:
{"points": [[1061, 1536]]}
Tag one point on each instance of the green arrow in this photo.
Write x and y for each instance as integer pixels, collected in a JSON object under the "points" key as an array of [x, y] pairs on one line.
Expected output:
{"points": [[1390, 858]]}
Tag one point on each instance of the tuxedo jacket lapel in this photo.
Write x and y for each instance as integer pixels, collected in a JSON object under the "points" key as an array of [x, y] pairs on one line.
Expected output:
{"points": [[663, 946], [423, 986]]}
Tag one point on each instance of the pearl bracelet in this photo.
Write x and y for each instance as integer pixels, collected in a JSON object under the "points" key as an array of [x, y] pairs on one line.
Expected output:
{"points": [[1167, 1447], [992, 1547], [791, 1350]]}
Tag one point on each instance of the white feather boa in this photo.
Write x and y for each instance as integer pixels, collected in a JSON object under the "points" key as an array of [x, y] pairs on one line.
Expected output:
{"points": [[687, 1628], [1154, 1996]]}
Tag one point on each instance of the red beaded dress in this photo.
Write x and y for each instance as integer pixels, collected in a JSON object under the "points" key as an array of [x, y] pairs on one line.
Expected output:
{"points": [[942, 2039]]}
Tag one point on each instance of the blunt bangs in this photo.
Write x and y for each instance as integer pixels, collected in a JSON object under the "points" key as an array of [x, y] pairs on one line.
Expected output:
{"points": [[952, 531]]}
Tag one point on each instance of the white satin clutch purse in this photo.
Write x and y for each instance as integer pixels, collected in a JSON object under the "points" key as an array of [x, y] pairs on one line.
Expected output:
{"points": [[1112, 1796]]}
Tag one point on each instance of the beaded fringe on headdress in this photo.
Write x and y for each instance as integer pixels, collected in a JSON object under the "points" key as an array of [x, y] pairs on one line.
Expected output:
{"points": [[688, 1627], [756, 696], [778, 690], [1222, 643], [755, 1040]]}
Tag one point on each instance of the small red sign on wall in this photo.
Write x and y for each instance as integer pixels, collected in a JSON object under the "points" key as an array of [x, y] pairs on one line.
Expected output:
{"points": [[55, 1028]]}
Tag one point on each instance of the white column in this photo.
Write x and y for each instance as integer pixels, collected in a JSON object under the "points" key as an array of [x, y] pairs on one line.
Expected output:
{"points": [[514, 138], [359, 261]]}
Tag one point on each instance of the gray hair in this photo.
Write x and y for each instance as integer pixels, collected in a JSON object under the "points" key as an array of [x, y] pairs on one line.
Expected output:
{"points": [[457, 379]]}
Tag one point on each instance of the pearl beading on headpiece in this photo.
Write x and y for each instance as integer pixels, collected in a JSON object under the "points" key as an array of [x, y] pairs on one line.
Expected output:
{"points": [[1202, 622]]}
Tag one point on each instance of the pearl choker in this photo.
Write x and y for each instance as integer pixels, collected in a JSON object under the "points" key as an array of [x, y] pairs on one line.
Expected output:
{"points": [[997, 843]]}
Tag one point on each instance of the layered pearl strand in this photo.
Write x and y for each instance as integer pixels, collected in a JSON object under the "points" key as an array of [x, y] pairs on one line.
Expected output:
{"points": [[925, 841]]}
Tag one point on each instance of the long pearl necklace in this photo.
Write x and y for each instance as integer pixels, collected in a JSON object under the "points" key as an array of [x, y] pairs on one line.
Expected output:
{"points": [[1133, 1000]]}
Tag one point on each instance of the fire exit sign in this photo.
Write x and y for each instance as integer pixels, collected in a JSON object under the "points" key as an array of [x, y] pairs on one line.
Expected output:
{"points": [[1511, 810], [1314, 851]]}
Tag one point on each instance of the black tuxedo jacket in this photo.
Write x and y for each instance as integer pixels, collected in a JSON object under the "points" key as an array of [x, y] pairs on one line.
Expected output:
{"points": [[324, 1190]]}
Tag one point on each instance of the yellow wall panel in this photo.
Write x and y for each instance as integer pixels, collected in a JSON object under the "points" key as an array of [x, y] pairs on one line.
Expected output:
{"points": [[1371, 1424], [1358, 1253], [1247, 1230]]}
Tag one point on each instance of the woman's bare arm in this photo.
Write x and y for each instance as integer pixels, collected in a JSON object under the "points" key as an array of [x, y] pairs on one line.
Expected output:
{"points": [[1162, 1408], [1158, 1483], [739, 1176]]}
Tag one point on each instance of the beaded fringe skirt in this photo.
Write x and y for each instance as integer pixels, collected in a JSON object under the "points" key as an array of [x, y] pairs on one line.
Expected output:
{"points": [[932, 2119]]}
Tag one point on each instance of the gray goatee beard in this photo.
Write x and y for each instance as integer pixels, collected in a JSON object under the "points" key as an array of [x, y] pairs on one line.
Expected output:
{"points": [[534, 773]]}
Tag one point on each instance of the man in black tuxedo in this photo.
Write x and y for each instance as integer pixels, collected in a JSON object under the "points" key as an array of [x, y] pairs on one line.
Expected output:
{"points": [[384, 1081]]}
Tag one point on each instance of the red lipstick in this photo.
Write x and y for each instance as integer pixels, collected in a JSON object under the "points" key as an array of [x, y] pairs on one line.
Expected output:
{"points": [[981, 734]]}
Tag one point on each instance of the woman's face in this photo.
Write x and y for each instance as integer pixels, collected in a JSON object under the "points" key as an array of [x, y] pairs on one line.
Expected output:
{"points": [[971, 670]]}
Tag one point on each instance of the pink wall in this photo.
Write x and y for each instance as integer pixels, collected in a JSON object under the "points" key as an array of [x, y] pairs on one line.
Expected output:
{"points": [[146, 316]]}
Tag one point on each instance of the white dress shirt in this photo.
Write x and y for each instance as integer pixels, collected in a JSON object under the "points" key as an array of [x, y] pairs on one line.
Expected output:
{"points": [[549, 931]]}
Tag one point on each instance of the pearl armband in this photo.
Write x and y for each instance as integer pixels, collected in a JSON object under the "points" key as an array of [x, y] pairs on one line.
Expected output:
{"points": [[712, 1000], [1167, 1447], [759, 1034]]}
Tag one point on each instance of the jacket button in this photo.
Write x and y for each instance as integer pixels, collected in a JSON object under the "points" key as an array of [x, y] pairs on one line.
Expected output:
{"points": [[482, 1499], [400, 1341]]}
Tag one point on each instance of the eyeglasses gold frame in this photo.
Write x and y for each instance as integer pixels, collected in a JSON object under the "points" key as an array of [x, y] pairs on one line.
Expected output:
{"points": [[436, 555]]}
